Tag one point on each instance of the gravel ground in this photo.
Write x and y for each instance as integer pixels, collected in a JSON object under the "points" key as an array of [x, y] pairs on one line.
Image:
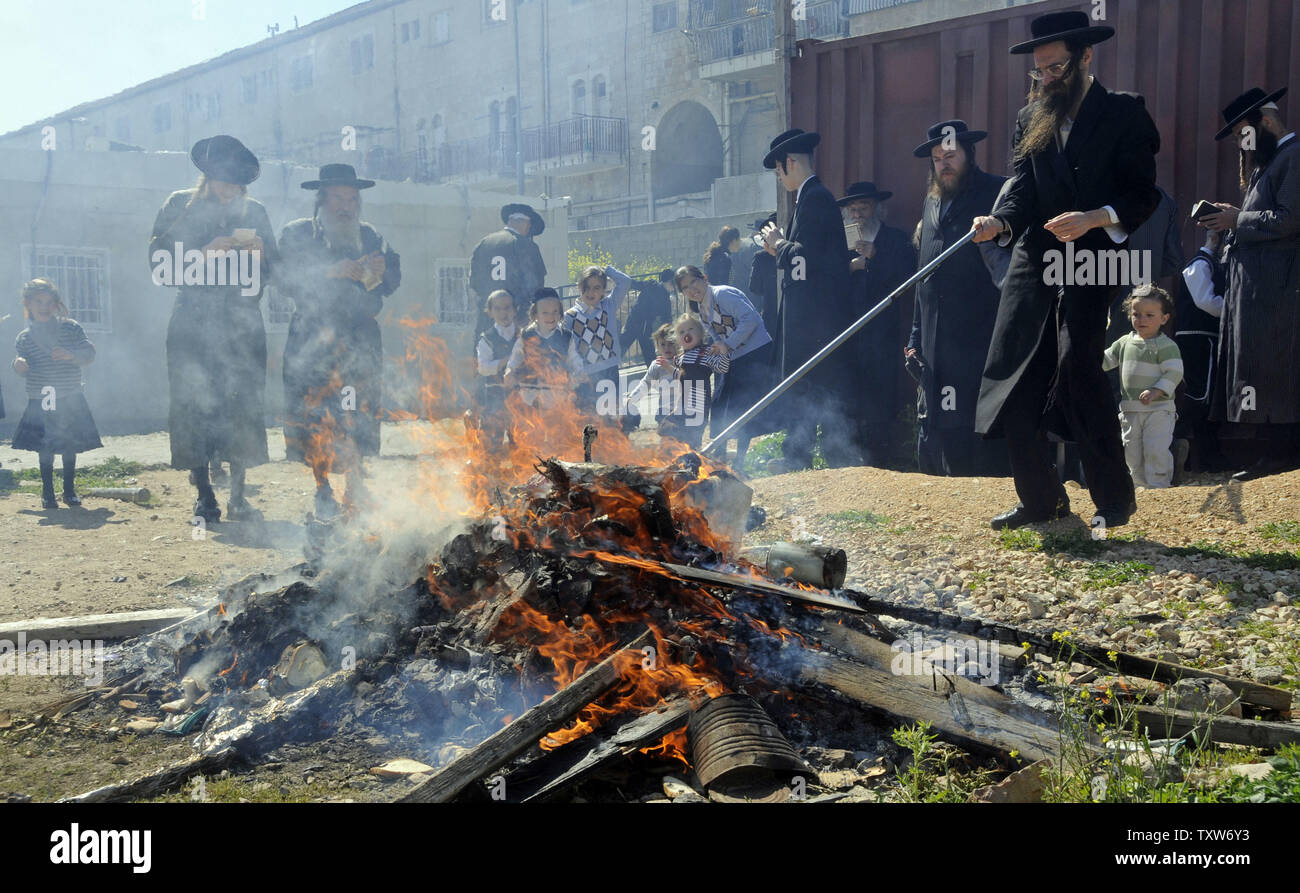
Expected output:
{"points": [[1204, 574]]}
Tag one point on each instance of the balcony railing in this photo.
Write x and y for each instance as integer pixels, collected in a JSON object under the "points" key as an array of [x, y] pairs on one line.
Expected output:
{"points": [[567, 142], [725, 30], [858, 7]]}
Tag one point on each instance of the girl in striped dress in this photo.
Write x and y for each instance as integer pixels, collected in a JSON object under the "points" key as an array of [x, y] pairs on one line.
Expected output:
{"points": [[51, 351]]}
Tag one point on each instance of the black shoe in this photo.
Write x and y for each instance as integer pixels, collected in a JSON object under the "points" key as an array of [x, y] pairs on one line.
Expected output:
{"points": [[1117, 517], [207, 509], [1180, 450], [71, 499], [1264, 468], [48, 501], [1020, 516]]}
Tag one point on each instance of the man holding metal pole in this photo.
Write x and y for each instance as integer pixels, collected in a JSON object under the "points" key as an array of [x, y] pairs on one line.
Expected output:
{"points": [[1084, 179]]}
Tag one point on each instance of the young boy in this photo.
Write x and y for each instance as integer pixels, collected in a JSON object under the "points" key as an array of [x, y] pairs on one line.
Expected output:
{"points": [[1150, 368], [495, 344], [592, 324], [543, 357]]}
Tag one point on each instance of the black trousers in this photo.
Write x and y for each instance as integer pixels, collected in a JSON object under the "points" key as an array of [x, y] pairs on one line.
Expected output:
{"points": [[1072, 345]]}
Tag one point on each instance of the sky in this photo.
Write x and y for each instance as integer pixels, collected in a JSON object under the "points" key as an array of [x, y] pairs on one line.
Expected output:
{"points": [[55, 54]]}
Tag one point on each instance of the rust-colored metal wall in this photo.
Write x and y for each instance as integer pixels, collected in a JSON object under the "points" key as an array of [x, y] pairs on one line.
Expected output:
{"points": [[873, 97]]}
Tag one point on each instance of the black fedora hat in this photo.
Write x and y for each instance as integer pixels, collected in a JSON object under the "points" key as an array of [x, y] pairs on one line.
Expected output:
{"points": [[225, 158], [538, 224], [1070, 25], [338, 175], [935, 136], [1243, 105], [796, 141], [863, 190]]}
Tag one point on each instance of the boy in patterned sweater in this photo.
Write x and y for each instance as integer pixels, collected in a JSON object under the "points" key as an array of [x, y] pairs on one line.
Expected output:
{"points": [[592, 325], [1150, 368]]}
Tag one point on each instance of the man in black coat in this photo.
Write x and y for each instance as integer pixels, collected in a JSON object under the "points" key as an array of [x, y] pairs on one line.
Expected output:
{"points": [[651, 310], [952, 321], [1084, 178], [509, 259], [1257, 391], [880, 259], [816, 305]]}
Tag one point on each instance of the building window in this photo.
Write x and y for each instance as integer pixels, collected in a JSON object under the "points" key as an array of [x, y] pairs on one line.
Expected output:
{"points": [[580, 97], [162, 117], [279, 309], [410, 30], [665, 16], [363, 53], [249, 92], [406, 32], [599, 105], [212, 107], [122, 130], [82, 277], [300, 74], [454, 305], [441, 27]]}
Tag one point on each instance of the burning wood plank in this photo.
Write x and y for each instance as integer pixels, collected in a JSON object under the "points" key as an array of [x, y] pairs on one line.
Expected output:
{"points": [[525, 731]]}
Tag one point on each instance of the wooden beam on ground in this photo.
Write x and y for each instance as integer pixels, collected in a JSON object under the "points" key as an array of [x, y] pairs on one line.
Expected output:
{"points": [[1255, 693], [160, 782], [524, 732], [95, 626], [1164, 723], [961, 708]]}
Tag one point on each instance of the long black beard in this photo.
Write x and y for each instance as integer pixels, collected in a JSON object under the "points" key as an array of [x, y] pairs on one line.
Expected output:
{"points": [[1051, 106], [1261, 157]]}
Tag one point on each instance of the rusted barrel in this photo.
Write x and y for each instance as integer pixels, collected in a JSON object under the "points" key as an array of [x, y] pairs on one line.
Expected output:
{"points": [[731, 736]]}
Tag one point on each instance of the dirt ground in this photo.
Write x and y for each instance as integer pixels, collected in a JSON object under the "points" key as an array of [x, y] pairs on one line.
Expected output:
{"points": [[906, 534]]}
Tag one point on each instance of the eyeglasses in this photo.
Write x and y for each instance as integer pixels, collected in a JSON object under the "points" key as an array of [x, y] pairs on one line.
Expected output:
{"points": [[1056, 71]]}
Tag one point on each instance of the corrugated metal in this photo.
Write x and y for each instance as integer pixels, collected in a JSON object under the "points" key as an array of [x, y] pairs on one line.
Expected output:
{"points": [[873, 97]]}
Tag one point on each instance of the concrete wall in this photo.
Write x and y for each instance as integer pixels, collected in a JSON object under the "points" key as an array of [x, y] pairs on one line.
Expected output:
{"points": [[107, 202]]}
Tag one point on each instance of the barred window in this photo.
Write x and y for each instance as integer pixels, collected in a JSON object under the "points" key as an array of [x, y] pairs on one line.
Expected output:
{"points": [[665, 16], [300, 72], [455, 308], [82, 277]]}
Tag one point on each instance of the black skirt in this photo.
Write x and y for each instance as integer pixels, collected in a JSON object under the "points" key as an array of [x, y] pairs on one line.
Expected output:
{"points": [[68, 428], [746, 382]]}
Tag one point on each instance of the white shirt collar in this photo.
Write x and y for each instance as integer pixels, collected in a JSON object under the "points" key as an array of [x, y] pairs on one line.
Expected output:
{"points": [[1284, 140], [506, 332], [799, 191]]}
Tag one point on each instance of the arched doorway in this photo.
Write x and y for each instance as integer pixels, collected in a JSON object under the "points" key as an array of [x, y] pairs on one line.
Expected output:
{"points": [[688, 151]]}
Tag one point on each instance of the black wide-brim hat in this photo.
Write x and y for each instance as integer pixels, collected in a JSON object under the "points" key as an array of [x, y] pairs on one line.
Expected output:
{"points": [[863, 190], [225, 158], [935, 136], [1069, 25], [1243, 105], [338, 175], [538, 224], [792, 141], [758, 225]]}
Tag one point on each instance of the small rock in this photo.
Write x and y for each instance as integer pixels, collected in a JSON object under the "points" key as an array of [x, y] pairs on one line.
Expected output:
{"points": [[141, 726], [1254, 771], [1268, 674], [1205, 696], [398, 768], [1167, 632], [1024, 786]]}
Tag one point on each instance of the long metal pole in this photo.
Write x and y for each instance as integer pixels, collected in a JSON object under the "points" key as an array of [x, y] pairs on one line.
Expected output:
{"points": [[721, 439], [519, 113]]}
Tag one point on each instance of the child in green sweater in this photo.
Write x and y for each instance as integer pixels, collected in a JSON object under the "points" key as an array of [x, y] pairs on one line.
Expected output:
{"points": [[1150, 368]]}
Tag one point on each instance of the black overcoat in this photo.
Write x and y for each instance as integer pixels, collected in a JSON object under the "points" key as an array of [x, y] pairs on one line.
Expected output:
{"points": [[216, 339], [813, 288], [1109, 159], [875, 349], [334, 341], [1259, 334], [956, 305]]}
